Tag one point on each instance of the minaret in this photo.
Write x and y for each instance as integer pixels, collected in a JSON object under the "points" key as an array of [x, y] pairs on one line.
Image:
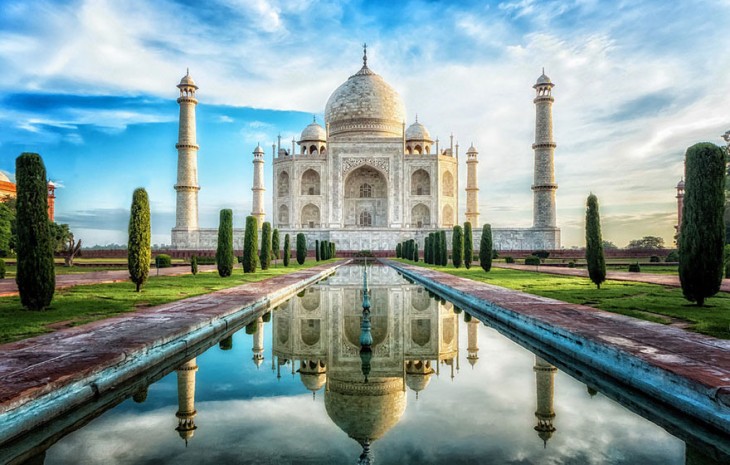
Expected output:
{"points": [[680, 206], [545, 380], [472, 189], [186, 400], [258, 185], [258, 343], [472, 340], [186, 214], [544, 147]]}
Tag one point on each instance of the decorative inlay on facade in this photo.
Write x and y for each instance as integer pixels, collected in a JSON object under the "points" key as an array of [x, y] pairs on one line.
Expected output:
{"points": [[349, 164]]}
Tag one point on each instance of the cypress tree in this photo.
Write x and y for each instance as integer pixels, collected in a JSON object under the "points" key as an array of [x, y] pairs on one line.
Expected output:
{"points": [[485, 248], [286, 251], [301, 248], [250, 244], [325, 250], [702, 233], [426, 250], [437, 249], [194, 265], [265, 253], [397, 250], [275, 244], [415, 252], [434, 252], [224, 252], [444, 249], [317, 252], [139, 252], [333, 250], [594, 243], [457, 246], [36, 275], [468, 245]]}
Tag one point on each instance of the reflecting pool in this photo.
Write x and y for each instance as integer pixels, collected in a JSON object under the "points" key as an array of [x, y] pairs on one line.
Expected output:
{"points": [[437, 386]]}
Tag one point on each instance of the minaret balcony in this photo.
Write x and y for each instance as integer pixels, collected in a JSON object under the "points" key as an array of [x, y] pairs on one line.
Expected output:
{"points": [[544, 145]]}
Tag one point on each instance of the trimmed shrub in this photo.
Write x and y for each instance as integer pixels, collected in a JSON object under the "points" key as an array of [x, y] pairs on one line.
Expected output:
{"points": [[301, 248], [265, 252], [139, 252], [35, 275], [275, 244], [634, 268], [287, 250], [571, 264], [468, 245], [252, 327], [654, 259], [250, 244], [2, 269], [535, 261], [485, 248], [194, 265], [457, 246], [397, 250], [509, 260], [702, 235], [333, 250], [595, 261], [467, 317], [163, 261], [541, 254], [224, 253], [672, 257], [206, 260]]}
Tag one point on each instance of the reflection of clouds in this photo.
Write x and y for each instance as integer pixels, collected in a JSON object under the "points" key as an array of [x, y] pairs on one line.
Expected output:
{"points": [[484, 414]]}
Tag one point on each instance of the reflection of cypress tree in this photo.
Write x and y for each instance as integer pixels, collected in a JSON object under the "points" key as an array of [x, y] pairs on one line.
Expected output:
{"points": [[140, 396], [467, 317], [252, 327], [266, 318], [226, 343]]}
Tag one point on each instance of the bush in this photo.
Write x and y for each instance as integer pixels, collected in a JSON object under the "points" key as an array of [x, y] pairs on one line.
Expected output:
{"points": [[163, 261], [595, 261], [205, 260], [634, 268], [250, 244], [265, 253], [457, 246], [2, 269], [35, 276], [224, 252], [509, 260], [672, 257], [364, 254], [286, 251], [301, 248], [535, 261], [468, 245], [495, 255], [333, 250], [654, 259], [571, 264], [194, 265], [138, 247], [485, 248], [541, 254]]}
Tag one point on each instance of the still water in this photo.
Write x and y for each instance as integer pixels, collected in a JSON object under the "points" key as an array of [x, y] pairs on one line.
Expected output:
{"points": [[440, 387]]}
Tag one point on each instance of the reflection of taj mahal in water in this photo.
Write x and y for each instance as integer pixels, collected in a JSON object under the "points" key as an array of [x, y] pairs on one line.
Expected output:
{"points": [[415, 337]]}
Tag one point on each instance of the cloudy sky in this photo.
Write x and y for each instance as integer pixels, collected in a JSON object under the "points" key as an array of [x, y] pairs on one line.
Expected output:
{"points": [[90, 85]]}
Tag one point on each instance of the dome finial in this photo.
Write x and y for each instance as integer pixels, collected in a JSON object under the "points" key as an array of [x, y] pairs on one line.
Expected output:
{"points": [[314, 118], [416, 117], [365, 55], [187, 71], [543, 70]]}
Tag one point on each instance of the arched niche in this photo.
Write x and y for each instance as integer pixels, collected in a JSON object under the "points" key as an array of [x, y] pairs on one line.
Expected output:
{"points": [[420, 182], [310, 216], [421, 216], [283, 184], [310, 182], [366, 198]]}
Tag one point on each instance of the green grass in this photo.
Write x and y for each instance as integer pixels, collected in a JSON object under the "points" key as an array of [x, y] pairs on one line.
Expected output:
{"points": [[640, 300], [82, 304]]}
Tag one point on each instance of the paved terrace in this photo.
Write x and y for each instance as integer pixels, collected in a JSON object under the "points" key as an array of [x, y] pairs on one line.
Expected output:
{"points": [[45, 376], [8, 286], [686, 370], [661, 279]]}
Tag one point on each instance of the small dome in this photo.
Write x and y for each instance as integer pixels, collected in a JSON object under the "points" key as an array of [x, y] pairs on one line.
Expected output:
{"points": [[472, 149], [313, 381], [187, 80], [314, 132], [543, 80], [258, 149], [418, 381], [4, 177], [417, 131], [680, 184]]}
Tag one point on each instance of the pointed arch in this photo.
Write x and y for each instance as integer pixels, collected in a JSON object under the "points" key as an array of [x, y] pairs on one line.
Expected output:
{"points": [[310, 182]]}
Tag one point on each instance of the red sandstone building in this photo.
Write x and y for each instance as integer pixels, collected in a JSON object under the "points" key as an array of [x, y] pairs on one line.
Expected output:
{"points": [[8, 191]]}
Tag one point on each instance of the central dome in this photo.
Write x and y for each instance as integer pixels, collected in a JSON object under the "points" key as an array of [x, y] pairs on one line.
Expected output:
{"points": [[365, 104]]}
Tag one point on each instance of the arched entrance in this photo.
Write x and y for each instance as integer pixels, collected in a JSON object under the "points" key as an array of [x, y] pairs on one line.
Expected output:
{"points": [[366, 198]]}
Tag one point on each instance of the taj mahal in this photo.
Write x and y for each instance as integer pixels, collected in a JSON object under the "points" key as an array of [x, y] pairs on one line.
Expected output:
{"points": [[364, 180]]}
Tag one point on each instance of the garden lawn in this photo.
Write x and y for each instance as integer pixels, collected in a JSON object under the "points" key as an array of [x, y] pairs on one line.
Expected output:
{"points": [[640, 300], [82, 304]]}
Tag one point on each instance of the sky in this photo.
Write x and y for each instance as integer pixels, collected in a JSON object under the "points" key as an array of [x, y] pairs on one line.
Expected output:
{"points": [[90, 85]]}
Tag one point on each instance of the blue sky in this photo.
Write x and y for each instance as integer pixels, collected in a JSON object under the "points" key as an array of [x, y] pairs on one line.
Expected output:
{"points": [[90, 85]]}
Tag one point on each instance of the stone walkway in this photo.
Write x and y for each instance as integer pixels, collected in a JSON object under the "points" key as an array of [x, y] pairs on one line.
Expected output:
{"points": [[661, 279], [8, 286], [45, 376], [684, 369]]}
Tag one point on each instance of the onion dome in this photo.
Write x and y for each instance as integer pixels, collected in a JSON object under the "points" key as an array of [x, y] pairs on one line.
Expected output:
{"points": [[313, 132], [365, 104], [258, 150], [187, 81], [543, 80], [313, 381], [417, 131], [680, 184], [471, 149]]}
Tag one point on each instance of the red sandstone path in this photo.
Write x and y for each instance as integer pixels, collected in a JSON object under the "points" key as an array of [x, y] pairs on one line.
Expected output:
{"points": [[8, 286], [661, 279]]}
